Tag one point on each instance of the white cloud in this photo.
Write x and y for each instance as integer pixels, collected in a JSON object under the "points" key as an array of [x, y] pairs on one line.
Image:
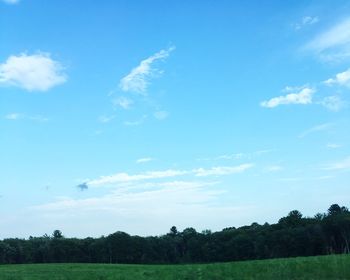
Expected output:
{"points": [[289, 89], [340, 165], [222, 170], [273, 168], [310, 20], [342, 79], [37, 72], [296, 179], [333, 146], [291, 179], [317, 128], [306, 20], [335, 36], [144, 160], [326, 177], [125, 177], [236, 156], [133, 123], [334, 43], [105, 119], [123, 102], [13, 116], [185, 184], [333, 103], [137, 122], [161, 115], [142, 212], [169, 191], [231, 156], [139, 78], [304, 97], [18, 116], [11, 2], [37, 118]]}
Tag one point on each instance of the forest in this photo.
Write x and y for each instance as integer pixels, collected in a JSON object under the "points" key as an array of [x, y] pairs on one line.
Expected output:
{"points": [[293, 235]]}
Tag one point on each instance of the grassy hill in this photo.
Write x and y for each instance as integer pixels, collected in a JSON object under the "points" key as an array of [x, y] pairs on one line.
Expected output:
{"points": [[318, 268]]}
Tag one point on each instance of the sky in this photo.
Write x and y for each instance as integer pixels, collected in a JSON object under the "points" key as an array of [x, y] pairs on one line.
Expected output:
{"points": [[139, 115]]}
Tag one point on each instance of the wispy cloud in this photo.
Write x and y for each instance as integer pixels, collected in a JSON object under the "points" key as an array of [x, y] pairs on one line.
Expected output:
{"points": [[230, 156], [144, 160], [305, 21], [297, 179], [273, 168], [333, 103], [333, 44], [166, 191], [161, 115], [105, 119], [11, 2], [37, 72], [123, 102], [125, 177], [137, 82], [19, 116], [139, 78], [291, 179], [136, 122], [333, 146], [340, 165], [236, 156], [222, 170], [317, 128], [13, 116], [37, 118], [143, 212], [304, 97]]}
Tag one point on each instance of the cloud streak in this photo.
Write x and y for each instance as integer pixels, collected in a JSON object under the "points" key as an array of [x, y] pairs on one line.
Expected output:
{"points": [[340, 165], [317, 128], [19, 116], [161, 115], [136, 122], [222, 170], [333, 103], [123, 102], [144, 211], [333, 44], [124, 177], [11, 2], [333, 146], [305, 21], [105, 119], [144, 160], [139, 78]]}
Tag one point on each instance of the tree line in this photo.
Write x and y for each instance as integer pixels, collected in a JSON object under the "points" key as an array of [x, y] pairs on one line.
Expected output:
{"points": [[293, 235]]}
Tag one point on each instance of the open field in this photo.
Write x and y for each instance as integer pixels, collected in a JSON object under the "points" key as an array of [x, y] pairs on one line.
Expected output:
{"points": [[318, 268]]}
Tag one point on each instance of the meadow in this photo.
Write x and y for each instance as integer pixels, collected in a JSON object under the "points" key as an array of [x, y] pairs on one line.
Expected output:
{"points": [[318, 268]]}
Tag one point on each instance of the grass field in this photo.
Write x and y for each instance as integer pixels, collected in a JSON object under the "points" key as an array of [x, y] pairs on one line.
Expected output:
{"points": [[318, 268]]}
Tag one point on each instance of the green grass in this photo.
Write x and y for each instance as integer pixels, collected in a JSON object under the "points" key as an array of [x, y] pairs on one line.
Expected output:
{"points": [[318, 268]]}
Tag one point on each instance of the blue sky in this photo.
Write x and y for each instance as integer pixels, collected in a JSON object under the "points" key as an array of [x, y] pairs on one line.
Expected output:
{"points": [[140, 115]]}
